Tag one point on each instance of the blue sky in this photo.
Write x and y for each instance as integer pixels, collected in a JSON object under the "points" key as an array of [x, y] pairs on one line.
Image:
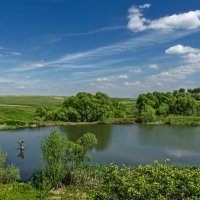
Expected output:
{"points": [[121, 47]]}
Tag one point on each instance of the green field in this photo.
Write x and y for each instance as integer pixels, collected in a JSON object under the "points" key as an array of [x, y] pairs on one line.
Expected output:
{"points": [[130, 107], [31, 100], [22, 108]]}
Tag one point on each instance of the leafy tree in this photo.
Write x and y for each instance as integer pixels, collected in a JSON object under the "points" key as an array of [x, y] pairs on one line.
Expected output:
{"points": [[147, 114], [53, 154], [163, 109], [63, 159]]}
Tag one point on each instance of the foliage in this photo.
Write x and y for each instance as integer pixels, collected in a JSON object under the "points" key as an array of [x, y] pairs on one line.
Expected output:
{"points": [[157, 181], [8, 173], [83, 107], [147, 114], [19, 191], [65, 162], [54, 169], [165, 104]]}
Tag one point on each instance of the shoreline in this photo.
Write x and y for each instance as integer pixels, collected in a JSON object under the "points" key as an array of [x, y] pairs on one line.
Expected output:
{"points": [[127, 121]]}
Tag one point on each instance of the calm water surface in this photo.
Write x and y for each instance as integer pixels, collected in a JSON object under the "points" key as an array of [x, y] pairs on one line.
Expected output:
{"points": [[122, 144]]}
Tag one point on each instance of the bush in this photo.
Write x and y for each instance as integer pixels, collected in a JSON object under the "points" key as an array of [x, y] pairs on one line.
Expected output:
{"points": [[8, 173], [65, 162], [147, 114], [53, 153], [15, 123], [156, 181]]}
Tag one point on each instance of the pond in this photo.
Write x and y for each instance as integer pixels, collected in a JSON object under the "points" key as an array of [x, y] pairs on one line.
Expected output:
{"points": [[122, 144]]}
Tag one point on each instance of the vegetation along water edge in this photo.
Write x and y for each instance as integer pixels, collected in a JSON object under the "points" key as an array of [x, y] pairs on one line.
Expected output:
{"points": [[179, 107]]}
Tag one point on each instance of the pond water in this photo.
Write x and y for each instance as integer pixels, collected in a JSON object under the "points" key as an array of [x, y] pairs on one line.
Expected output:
{"points": [[122, 144]]}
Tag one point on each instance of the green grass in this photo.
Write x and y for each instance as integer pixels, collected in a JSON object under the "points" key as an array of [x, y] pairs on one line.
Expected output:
{"points": [[130, 107], [22, 108], [24, 191], [183, 120], [31, 100], [21, 191], [25, 114]]}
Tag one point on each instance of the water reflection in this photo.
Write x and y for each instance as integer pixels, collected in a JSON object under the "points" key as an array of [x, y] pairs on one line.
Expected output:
{"points": [[21, 154], [103, 134], [181, 138]]}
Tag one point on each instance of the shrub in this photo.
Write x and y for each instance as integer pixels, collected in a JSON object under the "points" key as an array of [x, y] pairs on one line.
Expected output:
{"points": [[64, 162], [147, 114], [8, 173], [53, 152], [156, 181], [15, 123]]}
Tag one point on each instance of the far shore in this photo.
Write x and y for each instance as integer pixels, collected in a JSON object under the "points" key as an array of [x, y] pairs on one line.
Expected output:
{"points": [[175, 120]]}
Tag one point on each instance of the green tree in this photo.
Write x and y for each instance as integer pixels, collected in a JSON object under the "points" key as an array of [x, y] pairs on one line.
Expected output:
{"points": [[53, 155], [163, 109], [147, 114]]}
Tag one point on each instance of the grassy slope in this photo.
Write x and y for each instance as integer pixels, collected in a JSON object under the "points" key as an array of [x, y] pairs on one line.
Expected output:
{"points": [[23, 107], [31, 100]]}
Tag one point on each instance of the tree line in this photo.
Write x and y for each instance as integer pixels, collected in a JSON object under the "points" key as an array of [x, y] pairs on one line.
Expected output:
{"points": [[178, 102]]}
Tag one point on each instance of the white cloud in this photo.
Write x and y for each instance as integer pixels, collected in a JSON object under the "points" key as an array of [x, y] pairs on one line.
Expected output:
{"points": [[123, 76], [16, 53], [5, 80], [135, 70], [147, 5], [180, 49], [137, 22], [20, 87], [112, 78], [154, 66], [191, 58], [136, 83], [33, 65]]}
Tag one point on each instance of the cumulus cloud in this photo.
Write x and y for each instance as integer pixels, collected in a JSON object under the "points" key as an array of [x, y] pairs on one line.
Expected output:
{"points": [[154, 66], [137, 22], [191, 65], [180, 49]]}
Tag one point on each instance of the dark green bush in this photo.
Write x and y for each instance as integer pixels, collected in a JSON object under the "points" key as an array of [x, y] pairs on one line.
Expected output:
{"points": [[15, 123]]}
